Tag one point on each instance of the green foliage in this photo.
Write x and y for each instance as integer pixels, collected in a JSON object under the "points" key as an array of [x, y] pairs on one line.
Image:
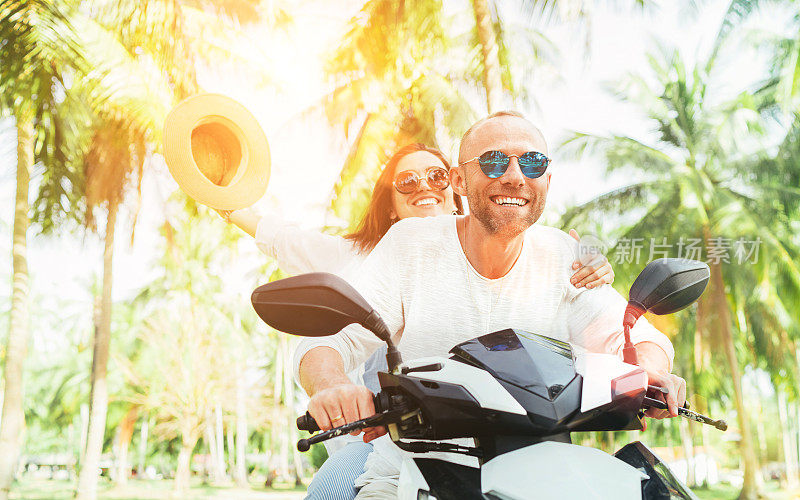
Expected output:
{"points": [[403, 72], [318, 455], [780, 89], [41, 54], [392, 76], [187, 333], [57, 378], [705, 173]]}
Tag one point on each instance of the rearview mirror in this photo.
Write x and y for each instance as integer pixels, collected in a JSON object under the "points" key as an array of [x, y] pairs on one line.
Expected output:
{"points": [[311, 305], [320, 304], [669, 285]]}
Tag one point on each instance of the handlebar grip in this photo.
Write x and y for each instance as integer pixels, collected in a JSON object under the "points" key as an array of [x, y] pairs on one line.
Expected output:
{"points": [[307, 423], [303, 445]]}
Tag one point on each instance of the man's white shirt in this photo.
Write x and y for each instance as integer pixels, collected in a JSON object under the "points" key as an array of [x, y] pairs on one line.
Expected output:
{"points": [[431, 298]]}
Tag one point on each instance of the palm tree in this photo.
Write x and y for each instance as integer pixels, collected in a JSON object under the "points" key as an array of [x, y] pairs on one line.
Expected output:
{"points": [[492, 82], [776, 96], [37, 48], [115, 151], [392, 83], [782, 85], [124, 124], [40, 50], [693, 189], [16, 345], [778, 99], [402, 76], [402, 72], [127, 130], [494, 38], [768, 297], [190, 337]]}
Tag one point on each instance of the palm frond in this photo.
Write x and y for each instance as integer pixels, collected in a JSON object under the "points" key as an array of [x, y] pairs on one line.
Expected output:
{"points": [[375, 143], [620, 152], [436, 100], [550, 11], [738, 11], [655, 225], [783, 248], [38, 38], [617, 202]]}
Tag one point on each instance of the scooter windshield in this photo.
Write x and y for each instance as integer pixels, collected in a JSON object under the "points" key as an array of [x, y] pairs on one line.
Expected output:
{"points": [[538, 364]]}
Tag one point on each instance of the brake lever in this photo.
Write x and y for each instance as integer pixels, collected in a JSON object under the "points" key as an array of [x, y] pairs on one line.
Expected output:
{"points": [[664, 391], [686, 413], [377, 420]]}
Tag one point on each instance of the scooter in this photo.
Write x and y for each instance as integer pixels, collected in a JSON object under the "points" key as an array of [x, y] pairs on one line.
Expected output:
{"points": [[517, 394]]}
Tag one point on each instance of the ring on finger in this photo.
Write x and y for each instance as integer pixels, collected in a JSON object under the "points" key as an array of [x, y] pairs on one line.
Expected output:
{"points": [[334, 419]]}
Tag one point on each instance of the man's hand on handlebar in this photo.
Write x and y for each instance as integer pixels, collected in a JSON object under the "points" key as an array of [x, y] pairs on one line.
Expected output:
{"points": [[655, 361], [676, 393], [344, 404]]}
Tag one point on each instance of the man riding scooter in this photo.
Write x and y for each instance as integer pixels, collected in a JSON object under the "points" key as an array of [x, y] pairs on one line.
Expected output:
{"points": [[440, 281]]}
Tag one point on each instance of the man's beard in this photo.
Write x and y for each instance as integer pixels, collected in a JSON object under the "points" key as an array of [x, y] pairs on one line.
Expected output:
{"points": [[501, 221]]}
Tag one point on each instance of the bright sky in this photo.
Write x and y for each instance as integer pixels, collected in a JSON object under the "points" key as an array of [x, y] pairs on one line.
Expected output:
{"points": [[306, 156]]}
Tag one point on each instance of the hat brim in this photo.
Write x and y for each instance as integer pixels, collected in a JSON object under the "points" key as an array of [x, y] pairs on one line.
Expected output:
{"points": [[250, 179]]}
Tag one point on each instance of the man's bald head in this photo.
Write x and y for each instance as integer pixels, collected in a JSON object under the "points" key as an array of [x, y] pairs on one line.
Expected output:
{"points": [[475, 129], [514, 136]]}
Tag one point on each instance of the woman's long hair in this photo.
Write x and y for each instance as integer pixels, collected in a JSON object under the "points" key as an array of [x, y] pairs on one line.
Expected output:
{"points": [[377, 219]]}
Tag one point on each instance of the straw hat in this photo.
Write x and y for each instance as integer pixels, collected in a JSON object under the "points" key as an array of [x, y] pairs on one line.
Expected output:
{"points": [[216, 152]]}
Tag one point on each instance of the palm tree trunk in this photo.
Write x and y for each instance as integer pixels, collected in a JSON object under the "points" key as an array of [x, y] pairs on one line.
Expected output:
{"points": [[125, 436], [707, 480], [283, 462], [230, 444], [140, 468], [183, 471], [752, 483], [13, 418], [220, 442], [84, 427], [796, 425], [211, 441], [87, 480], [684, 428], [797, 429], [492, 82], [240, 470], [761, 437], [787, 445]]}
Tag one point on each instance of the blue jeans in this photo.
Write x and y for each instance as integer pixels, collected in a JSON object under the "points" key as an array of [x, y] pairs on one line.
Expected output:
{"points": [[334, 480], [375, 363]]}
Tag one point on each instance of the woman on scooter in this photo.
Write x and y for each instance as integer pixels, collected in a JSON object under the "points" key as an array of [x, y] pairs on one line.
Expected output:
{"points": [[414, 183]]}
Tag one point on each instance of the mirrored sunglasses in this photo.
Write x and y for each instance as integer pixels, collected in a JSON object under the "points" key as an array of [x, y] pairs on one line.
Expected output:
{"points": [[494, 163], [408, 181]]}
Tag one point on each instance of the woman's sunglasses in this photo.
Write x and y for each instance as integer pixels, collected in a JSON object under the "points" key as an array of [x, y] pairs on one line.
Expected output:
{"points": [[408, 182], [495, 163]]}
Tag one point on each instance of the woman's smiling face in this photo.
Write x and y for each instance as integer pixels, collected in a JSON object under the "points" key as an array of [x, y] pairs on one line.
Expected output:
{"points": [[425, 201]]}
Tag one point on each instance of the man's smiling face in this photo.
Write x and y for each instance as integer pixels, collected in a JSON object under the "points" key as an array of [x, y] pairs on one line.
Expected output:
{"points": [[512, 202]]}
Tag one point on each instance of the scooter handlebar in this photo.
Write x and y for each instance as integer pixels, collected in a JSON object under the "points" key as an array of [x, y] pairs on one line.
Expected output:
{"points": [[307, 423], [374, 421], [685, 412]]}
